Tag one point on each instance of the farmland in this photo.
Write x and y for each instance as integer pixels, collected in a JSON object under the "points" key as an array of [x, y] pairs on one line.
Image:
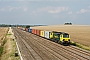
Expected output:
{"points": [[3, 32], [78, 33]]}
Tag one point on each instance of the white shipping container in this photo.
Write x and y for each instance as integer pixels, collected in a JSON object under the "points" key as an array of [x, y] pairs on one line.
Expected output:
{"points": [[47, 34]]}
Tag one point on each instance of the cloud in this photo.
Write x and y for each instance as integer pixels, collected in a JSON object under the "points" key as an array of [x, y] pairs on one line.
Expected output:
{"points": [[58, 10], [70, 12], [33, 0], [26, 0], [52, 10], [13, 8], [82, 11], [25, 9], [89, 7], [10, 8], [2, 9], [34, 13]]}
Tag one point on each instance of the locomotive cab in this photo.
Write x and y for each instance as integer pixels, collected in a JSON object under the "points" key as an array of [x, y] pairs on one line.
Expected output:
{"points": [[61, 37], [65, 38]]}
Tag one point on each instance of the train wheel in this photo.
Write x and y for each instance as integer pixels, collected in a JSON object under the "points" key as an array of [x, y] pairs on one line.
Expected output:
{"points": [[56, 41], [68, 44], [51, 39]]}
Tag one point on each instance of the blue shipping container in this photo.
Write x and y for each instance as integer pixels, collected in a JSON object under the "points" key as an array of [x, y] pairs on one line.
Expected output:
{"points": [[29, 30]]}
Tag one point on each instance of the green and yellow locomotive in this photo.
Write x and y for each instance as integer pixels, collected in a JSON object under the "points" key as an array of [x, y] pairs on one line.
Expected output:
{"points": [[60, 37]]}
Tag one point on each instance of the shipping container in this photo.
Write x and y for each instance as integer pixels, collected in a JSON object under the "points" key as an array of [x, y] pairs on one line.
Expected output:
{"points": [[26, 29], [48, 34], [38, 32], [33, 31], [23, 29], [30, 30], [42, 33]]}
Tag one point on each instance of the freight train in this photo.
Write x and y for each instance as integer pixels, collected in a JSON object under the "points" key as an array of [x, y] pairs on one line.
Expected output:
{"points": [[59, 37]]}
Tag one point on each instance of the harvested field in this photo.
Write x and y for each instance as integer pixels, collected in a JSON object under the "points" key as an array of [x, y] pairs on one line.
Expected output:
{"points": [[3, 32], [78, 33]]}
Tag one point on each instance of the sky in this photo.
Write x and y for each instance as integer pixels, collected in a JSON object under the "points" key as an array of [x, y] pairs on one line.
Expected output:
{"points": [[47, 12]]}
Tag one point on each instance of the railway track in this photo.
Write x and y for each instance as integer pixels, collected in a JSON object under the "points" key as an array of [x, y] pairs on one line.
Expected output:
{"points": [[46, 53], [23, 48], [75, 52], [81, 51], [72, 53], [47, 50], [51, 53]]}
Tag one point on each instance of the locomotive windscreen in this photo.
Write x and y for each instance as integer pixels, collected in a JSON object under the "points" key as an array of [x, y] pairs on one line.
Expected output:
{"points": [[65, 35]]}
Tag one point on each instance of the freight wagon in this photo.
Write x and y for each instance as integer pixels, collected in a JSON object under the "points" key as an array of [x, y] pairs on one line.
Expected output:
{"points": [[38, 32], [26, 29], [23, 29], [48, 34], [42, 33], [29, 30], [33, 31]]}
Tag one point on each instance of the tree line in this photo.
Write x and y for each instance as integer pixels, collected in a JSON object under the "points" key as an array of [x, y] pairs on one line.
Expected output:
{"points": [[68, 23], [8, 25]]}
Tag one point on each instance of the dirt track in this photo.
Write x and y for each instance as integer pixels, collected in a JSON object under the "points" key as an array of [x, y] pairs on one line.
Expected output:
{"points": [[78, 33]]}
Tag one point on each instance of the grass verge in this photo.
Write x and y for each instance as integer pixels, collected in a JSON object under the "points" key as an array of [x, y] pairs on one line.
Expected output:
{"points": [[9, 48], [1, 50], [2, 47], [2, 43], [8, 34], [80, 46]]}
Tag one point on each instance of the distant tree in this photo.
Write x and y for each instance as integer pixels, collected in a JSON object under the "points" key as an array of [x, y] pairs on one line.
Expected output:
{"points": [[10, 25], [68, 23], [4, 25], [27, 26]]}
